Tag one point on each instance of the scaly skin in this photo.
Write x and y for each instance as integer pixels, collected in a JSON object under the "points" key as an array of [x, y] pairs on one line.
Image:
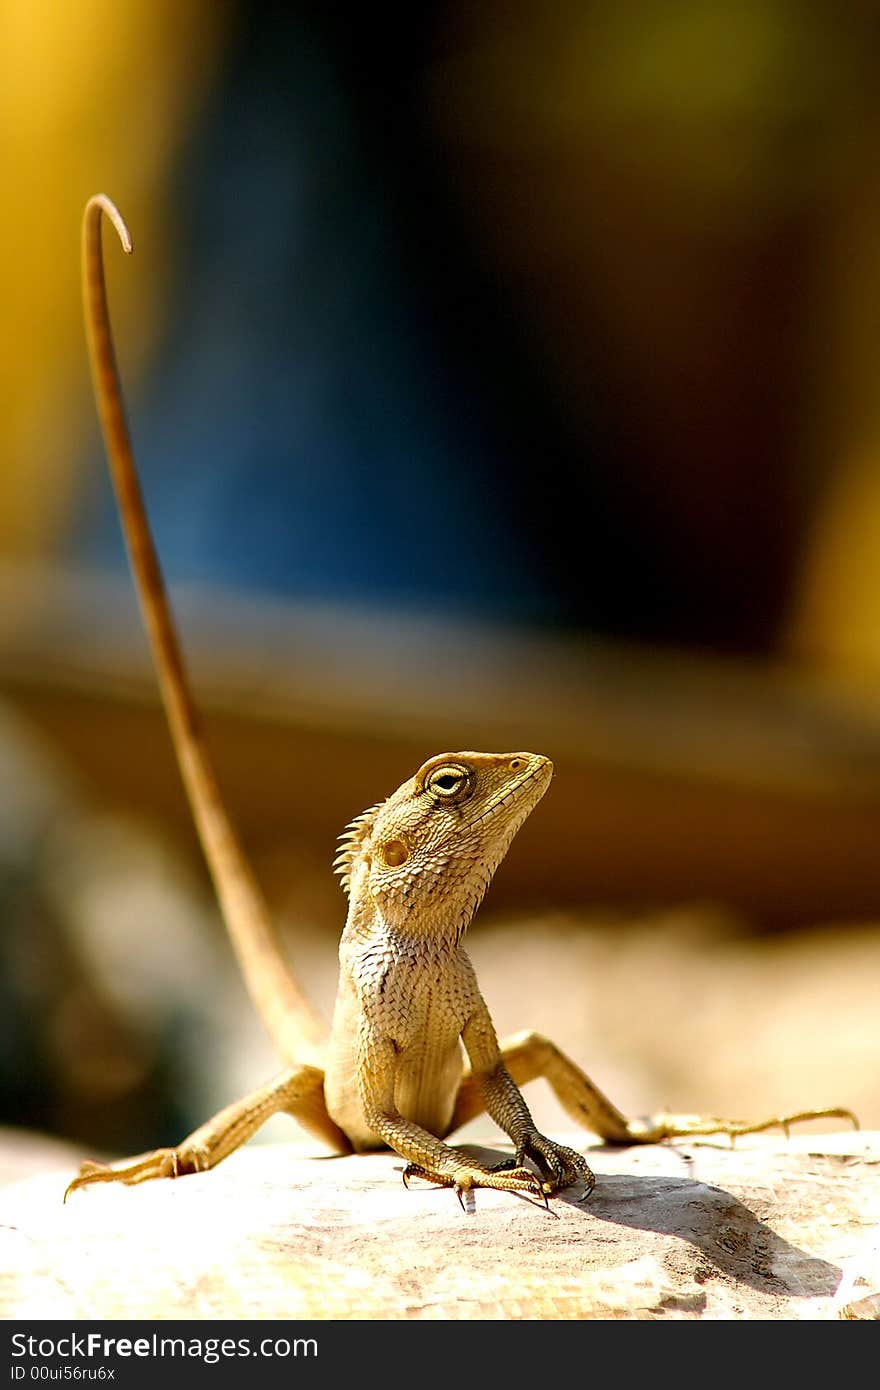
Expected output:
{"points": [[415, 868]]}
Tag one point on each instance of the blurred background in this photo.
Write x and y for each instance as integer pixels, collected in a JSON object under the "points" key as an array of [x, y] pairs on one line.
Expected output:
{"points": [[505, 377]]}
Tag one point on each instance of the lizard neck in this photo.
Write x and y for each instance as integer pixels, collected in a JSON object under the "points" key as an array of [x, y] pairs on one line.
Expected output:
{"points": [[404, 927]]}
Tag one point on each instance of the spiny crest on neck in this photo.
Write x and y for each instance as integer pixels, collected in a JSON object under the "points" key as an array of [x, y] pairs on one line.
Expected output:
{"points": [[350, 843]]}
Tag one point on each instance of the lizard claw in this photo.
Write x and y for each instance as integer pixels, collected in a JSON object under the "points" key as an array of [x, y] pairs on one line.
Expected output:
{"points": [[415, 1170], [664, 1126], [590, 1183], [562, 1166], [513, 1177], [508, 1176], [162, 1163]]}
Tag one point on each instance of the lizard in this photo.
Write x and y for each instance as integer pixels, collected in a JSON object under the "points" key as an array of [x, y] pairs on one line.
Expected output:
{"points": [[415, 868]]}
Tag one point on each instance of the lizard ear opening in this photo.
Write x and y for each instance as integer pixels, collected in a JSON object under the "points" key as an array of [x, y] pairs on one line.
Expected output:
{"points": [[395, 853]]}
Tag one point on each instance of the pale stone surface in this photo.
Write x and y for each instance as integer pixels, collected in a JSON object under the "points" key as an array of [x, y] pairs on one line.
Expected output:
{"points": [[770, 1229]]}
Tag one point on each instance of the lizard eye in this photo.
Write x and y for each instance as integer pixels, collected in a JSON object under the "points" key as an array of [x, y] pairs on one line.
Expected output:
{"points": [[449, 783]]}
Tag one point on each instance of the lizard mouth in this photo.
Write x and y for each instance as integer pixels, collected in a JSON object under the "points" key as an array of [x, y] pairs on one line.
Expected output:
{"points": [[513, 794]]}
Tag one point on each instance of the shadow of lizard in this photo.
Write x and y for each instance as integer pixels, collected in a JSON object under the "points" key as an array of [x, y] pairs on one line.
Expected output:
{"points": [[729, 1237]]}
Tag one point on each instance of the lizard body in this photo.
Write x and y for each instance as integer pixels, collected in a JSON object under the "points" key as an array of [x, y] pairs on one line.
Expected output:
{"points": [[415, 868]]}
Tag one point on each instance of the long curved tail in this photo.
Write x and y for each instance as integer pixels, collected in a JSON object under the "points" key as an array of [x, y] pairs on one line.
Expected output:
{"points": [[289, 1018]]}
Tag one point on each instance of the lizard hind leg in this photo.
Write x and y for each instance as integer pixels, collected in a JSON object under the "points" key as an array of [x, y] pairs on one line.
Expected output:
{"points": [[530, 1055], [298, 1092]]}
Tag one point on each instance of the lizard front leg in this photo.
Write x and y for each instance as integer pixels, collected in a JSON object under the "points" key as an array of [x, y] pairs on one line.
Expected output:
{"points": [[426, 1155], [530, 1055], [298, 1092], [500, 1096]]}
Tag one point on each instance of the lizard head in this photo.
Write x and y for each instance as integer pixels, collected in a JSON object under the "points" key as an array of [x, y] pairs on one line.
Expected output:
{"points": [[426, 856]]}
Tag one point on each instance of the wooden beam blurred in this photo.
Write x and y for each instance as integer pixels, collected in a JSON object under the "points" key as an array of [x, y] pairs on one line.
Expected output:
{"points": [[677, 778]]}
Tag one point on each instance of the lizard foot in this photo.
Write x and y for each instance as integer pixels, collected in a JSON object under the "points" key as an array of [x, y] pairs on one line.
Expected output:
{"points": [[663, 1126], [162, 1163], [561, 1166], [468, 1177]]}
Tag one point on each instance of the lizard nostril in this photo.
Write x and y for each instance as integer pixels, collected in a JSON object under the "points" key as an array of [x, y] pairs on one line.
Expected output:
{"points": [[516, 764]]}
